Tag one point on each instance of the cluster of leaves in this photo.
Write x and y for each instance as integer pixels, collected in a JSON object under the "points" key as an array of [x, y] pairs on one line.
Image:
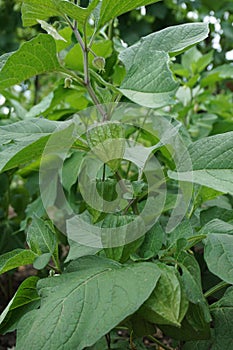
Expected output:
{"points": [[179, 282]]}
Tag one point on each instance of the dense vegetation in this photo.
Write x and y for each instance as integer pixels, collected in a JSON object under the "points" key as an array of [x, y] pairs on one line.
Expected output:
{"points": [[116, 168]]}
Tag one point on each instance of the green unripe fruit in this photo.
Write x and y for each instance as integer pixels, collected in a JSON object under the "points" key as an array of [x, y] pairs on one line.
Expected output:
{"points": [[67, 83], [99, 63]]}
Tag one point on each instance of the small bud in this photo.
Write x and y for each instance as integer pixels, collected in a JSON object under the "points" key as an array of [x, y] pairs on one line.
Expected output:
{"points": [[99, 63], [67, 83]]}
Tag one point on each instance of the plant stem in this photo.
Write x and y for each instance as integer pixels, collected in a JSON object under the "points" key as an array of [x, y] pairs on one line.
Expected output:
{"points": [[108, 340], [104, 172], [87, 82], [216, 288], [165, 347]]}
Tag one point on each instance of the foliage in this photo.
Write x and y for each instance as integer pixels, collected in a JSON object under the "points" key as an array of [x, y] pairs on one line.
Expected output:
{"points": [[116, 181]]}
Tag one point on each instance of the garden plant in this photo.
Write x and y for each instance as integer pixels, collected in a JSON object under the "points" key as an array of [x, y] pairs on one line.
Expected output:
{"points": [[116, 183]]}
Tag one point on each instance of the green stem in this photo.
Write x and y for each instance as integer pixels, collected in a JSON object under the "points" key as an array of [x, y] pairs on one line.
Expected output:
{"points": [[216, 288], [165, 347]]}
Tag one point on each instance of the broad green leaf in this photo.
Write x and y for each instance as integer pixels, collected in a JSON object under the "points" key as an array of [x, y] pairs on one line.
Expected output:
{"points": [[42, 261], [212, 163], [149, 80], [32, 10], [41, 107], [218, 254], [91, 301], [32, 129], [16, 258], [151, 245], [78, 250], [222, 312], [217, 226], [163, 306], [110, 10], [216, 213], [121, 253], [25, 141], [23, 301], [34, 57], [191, 280], [41, 237], [70, 170], [183, 230], [193, 326]]}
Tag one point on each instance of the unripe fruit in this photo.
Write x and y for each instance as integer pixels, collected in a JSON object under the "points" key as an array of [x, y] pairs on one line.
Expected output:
{"points": [[67, 83], [99, 63]]}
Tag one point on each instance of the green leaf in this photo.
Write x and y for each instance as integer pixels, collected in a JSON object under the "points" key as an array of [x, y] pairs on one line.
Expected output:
{"points": [[193, 326], [149, 80], [41, 107], [212, 163], [34, 57], [42, 261], [91, 301], [198, 345], [121, 253], [70, 170], [32, 10], [25, 141], [163, 306], [191, 280], [78, 250], [222, 312], [73, 59], [41, 237], [16, 258], [183, 230], [216, 212], [217, 226], [50, 30], [23, 301], [151, 245], [218, 254], [110, 10], [150, 84]]}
